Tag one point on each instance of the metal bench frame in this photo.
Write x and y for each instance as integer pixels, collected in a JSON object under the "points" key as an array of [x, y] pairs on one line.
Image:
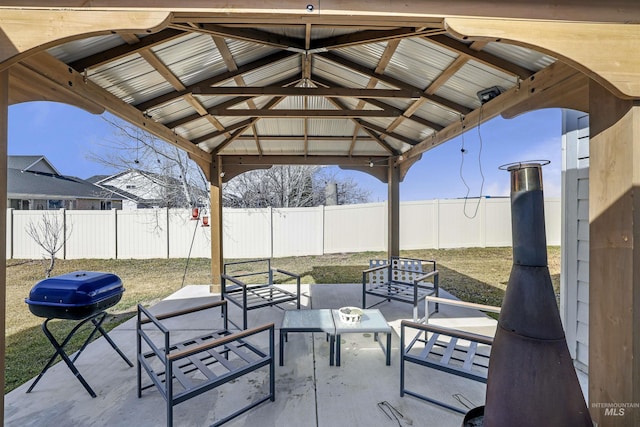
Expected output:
{"points": [[448, 350], [220, 356], [400, 279], [249, 296]]}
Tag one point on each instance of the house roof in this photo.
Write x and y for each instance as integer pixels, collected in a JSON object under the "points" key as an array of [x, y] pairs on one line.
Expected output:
{"points": [[31, 163], [26, 182]]}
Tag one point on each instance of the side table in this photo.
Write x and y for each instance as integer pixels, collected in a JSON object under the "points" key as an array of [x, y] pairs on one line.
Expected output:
{"points": [[372, 321], [320, 320]]}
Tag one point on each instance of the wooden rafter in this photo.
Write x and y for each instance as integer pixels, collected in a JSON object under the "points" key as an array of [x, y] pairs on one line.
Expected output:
{"points": [[372, 36], [227, 104], [234, 165], [70, 80], [340, 106], [437, 83], [220, 78], [384, 131], [129, 38], [482, 57], [246, 34], [227, 56], [168, 75], [446, 103], [125, 50], [243, 124], [300, 137], [251, 122], [330, 92], [302, 113], [544, 80], [380, 104], [404, 115], [389, 50]]}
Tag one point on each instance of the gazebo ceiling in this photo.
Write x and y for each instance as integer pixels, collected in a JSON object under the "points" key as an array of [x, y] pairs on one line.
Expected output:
{"points": [[264, 92]]}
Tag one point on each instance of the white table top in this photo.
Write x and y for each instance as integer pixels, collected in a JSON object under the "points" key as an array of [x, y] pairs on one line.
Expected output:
{"points": [[372, 321]]}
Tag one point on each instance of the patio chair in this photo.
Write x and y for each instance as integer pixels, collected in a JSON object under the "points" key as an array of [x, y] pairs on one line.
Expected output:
{"points": [[250, 285], [406, 280], [449, 350], [185, 369]]}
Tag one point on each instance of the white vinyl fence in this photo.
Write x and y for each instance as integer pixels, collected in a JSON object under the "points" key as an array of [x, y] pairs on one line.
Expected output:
{"points": [[256, 233]]}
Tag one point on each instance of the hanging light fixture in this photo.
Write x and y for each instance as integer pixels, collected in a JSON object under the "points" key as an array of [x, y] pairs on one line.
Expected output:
{"points": [[195, 214], [205, 221]]}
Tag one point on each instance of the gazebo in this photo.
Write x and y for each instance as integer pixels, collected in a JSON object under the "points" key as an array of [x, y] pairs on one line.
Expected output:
{"points": [[369, 86]]}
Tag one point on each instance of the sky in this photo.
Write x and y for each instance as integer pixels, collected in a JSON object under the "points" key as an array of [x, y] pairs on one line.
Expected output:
{"points": [[66, 135]]}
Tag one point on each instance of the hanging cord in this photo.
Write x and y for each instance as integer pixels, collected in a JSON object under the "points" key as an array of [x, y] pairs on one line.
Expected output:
{"points": [[184, 275], [463, 151]]}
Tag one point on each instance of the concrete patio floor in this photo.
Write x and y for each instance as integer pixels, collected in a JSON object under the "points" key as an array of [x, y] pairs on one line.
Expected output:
{"points": [[309, 392]]}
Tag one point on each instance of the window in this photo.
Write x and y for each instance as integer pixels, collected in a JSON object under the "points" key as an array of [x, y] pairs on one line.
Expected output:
{"points": [[56, 204]]}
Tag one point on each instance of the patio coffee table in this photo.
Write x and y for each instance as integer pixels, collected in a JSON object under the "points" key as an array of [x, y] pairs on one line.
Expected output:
{"points": [[319, 320], [372, 321]]}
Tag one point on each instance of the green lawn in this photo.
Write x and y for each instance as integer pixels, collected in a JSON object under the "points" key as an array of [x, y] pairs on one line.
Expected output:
{"points": [[473, 274]]}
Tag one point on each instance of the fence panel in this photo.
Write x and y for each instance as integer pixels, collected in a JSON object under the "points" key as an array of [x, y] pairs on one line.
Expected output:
{"points": [[24, 247], [298, 231], [419, 225], [258, 233], [552, 221], [355, 228], [142, 234], [497, 222], [183, 231], [461, 225], [91, 234], [246, 233]]}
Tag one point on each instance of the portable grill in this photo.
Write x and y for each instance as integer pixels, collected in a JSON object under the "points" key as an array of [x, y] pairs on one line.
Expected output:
{"points": [[82, 296]]}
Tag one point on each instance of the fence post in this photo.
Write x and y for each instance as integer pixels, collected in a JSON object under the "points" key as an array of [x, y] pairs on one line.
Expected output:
{"points": [[436, 225], [323, 226], [64, 232], [115, 227], [167, 240], [10, 233], [483, 225], [271, 234]]}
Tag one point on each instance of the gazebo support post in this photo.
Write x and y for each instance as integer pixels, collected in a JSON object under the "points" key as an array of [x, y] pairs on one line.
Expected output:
{"points": [[217, 258], [4, 137], [393, 207], [614, 258]]}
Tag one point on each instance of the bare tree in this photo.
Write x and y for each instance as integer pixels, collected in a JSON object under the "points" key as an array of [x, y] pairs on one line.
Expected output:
{"points": [[181, 181], [184, 185], [50, 233], [289, 186]]}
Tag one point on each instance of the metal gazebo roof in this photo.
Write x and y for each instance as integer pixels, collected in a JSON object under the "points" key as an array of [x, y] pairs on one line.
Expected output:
{"points": [[349, 94]]}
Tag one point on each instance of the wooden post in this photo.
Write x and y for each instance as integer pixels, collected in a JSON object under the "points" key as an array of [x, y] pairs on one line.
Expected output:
{"points": [[614, 259], [217, 258], [393, 206], [4, 126]]}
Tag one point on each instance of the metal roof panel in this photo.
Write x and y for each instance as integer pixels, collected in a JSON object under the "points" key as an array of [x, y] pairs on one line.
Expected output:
{"points": [[418, 62]]}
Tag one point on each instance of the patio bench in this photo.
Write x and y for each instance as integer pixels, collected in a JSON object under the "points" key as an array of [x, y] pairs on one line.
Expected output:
{"points": [[261, 292], [185, 369], [445, 349], [401, 279]]}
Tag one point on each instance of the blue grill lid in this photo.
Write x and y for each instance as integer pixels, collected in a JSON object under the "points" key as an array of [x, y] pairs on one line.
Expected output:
{"points": [[79, 288]]}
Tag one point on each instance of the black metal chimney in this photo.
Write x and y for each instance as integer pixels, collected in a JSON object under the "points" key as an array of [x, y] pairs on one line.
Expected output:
{"points": [[531, 379]]}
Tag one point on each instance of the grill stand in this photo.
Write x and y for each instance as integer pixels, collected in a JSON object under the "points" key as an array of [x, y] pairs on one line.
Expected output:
{"points": [[97, 320]]}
